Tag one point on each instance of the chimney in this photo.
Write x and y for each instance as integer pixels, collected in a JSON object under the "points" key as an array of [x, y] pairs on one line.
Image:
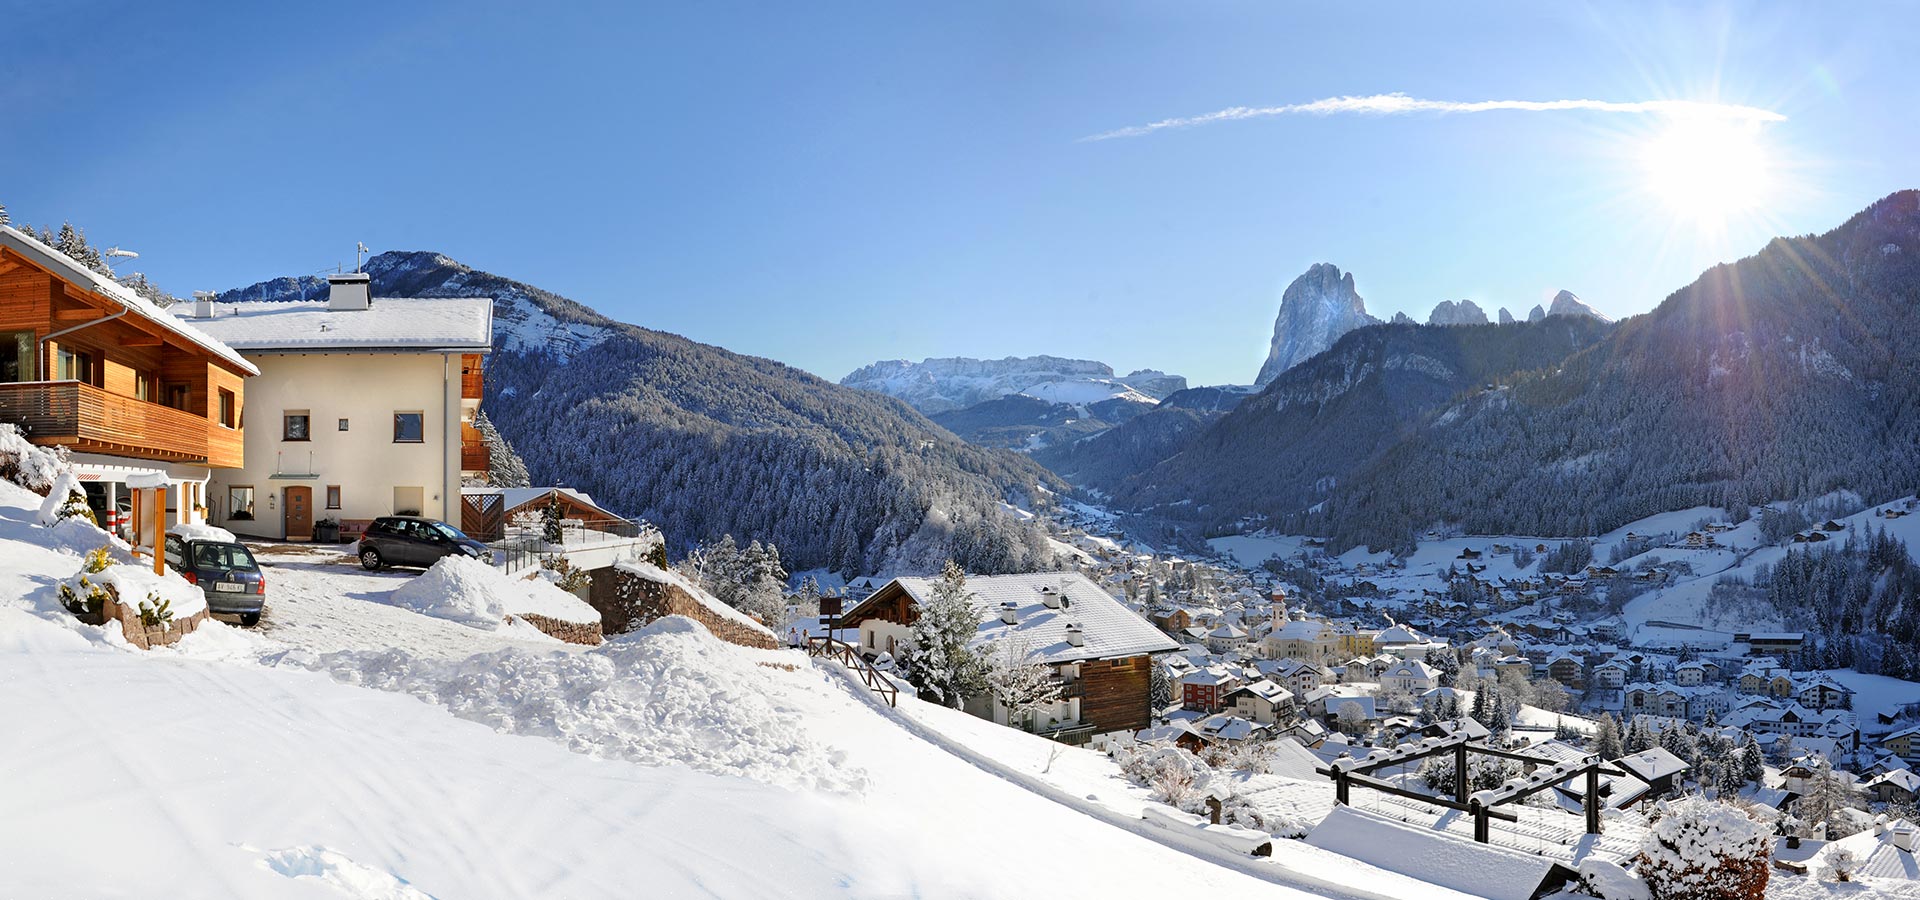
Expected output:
{"points": [[1075, 636], [349, 291], [1903, 836], [1050, 597], [203, 304], [1010, 612]]}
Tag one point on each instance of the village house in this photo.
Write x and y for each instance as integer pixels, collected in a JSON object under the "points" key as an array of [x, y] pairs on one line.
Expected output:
{"points": [[1301, 639], [1904, 743], [1226, 638], [1895, 786], [364, 407], [135, 395], [1205, 690], [1296, 675], [1611, 675], [1100, 652], [1412, 676], [1774, 643], [1261, 701]]}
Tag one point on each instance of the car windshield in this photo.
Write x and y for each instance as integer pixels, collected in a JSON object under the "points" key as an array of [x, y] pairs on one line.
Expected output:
{"points": [[222, 556], [442, 529]]}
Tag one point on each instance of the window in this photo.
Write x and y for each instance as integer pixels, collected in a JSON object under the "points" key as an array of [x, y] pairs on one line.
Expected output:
{"points": [[409, 427], [174, 395], [73, 365], [333, 496], [143, 387], [343, 424], [227, 409], [295, 426], [16, 356], [240, 502]]}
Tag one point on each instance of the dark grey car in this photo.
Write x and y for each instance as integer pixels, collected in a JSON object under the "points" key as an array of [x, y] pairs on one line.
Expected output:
{"points": [[415, 541], [225, 572]]}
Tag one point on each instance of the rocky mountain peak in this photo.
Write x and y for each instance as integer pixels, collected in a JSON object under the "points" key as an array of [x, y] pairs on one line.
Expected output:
{"points": [[1566, 303], [1457, 312], [1315, 310]]}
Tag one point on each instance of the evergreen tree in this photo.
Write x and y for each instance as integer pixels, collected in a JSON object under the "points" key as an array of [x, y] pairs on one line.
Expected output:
{"points": [[504, 466], [1753, 763], [946, 666], [550, 520], [1606, 738]]}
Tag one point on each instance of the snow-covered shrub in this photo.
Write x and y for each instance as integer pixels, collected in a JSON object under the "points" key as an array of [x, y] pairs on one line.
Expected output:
{"points": [[81, 594], [1839, 864], [1700, 849], [31, 467], [1609, 881], [1484, 773], [65, 500], [156, 610]]}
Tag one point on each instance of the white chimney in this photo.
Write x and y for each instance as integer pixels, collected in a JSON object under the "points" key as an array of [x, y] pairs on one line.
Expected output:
{"points": [[1903, 836], [349, 291], [1075, 636], [203, 304], [1010, 612], [1050, 597]]}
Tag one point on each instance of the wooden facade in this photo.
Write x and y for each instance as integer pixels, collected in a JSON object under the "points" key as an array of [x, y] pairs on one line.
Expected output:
{"points": [[1118, 693], [120, 383]]}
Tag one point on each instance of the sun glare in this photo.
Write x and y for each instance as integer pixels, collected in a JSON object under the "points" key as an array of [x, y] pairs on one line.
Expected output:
{"points": [[1708, 169]]}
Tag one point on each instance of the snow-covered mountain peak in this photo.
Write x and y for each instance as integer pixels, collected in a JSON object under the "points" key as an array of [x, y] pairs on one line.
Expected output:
{"points": [[1566, 303], [943, 384], [1315, 310]]}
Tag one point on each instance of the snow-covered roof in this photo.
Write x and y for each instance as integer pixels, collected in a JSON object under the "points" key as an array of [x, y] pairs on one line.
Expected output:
{"points": [[514, 498], [1300, 631], [1875, 852], [1265, 690], [1108, 629], [1652, 764], [441, 323], [65, 267]]}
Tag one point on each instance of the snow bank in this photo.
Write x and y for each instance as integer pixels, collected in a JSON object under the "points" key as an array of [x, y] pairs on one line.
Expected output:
{"points": [[468, 591], [668, 693], [65, 485], [1231, 837], [458, 589], [544, 598]]}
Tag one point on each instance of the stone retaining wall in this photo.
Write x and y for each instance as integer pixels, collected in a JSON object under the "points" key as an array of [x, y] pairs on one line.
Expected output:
{"points": [[572, 632], [627, 600], [148, 637]]}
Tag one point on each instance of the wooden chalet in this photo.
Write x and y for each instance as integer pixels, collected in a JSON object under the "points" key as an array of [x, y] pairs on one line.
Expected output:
{"points": [[1100, 652]]}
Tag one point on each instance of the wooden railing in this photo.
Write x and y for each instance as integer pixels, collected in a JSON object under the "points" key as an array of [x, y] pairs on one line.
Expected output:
{"points": [[87, 418], [471, 381], [849, 656], [475, 456]]}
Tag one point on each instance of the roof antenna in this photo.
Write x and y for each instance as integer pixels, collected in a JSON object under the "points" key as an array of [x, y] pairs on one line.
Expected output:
{"points": [[359, 250]]}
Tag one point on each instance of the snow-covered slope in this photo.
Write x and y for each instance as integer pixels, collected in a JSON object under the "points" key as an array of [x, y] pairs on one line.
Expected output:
{"points": [[663, 764], [1316, 309], [952, 383]]}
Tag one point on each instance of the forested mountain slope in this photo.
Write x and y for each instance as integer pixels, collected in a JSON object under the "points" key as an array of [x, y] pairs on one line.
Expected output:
{"points": [[1330, 416], [704, 442], [1788, 374]]}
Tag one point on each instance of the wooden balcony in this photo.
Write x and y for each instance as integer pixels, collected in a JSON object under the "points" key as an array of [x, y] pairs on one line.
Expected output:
{"points": [[474, 455], [471, 380], [87, 419]]}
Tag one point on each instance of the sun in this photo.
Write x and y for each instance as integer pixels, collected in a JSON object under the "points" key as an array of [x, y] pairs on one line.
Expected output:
{"points": [[1708, 169]]}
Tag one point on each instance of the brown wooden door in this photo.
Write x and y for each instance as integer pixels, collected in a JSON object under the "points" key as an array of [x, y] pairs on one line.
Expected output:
{"points": [[299, 512]]}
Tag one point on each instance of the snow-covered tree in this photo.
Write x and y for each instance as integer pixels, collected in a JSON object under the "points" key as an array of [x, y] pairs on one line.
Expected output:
{"points": [[1826, 794], [1350, 717], [550, 521], [1700, 849], [1839, 864], [1159, 688], [1607, 741], [504, 466], [1020, 681], [945, 665]]}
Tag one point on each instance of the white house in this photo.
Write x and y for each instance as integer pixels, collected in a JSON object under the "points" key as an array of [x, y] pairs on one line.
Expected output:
{"points": [[1411, 675], [1261, 701], [1226, 637], [363, 408]]}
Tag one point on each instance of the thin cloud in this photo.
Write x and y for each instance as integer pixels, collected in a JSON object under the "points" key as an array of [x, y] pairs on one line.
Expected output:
{"points": [[1401, 104]]}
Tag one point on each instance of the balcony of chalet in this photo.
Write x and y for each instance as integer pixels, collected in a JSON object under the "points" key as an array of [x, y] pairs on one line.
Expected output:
{"points": [[85, 366]]}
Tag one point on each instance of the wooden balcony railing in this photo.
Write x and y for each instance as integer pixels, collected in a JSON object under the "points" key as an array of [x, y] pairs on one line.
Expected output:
{"points": [[474, 455], [471, 381], [87, 418]]}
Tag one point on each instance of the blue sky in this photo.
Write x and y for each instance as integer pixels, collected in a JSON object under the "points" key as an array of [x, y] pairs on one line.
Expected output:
{"points": [[830, 184]]}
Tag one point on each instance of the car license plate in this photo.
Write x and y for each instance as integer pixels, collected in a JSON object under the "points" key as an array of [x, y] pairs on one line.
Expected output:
{"points": [[230, 587]]}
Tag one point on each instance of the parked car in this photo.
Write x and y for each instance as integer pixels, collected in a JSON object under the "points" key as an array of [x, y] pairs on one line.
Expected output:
{"points": [[225, 572], [416, 541]]}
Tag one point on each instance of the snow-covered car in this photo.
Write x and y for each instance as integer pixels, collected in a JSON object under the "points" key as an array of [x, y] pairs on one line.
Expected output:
{"points": [[415, 541], [225, 572]]}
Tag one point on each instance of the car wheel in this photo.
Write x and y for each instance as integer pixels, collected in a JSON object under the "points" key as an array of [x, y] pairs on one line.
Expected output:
{"points": [[250, 619], [370, 559]]}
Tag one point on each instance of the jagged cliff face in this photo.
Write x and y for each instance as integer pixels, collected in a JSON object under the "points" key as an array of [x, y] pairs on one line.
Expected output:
{"points": [[947, 384], [1457, 312], [1316, 309]]}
